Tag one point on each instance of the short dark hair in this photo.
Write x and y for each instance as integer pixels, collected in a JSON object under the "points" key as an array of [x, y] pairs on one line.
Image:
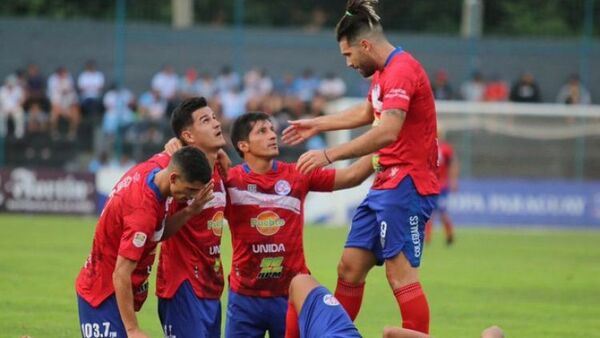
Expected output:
{"points": [[360, 17], [192, 164], [242, 126], [182, 114]]}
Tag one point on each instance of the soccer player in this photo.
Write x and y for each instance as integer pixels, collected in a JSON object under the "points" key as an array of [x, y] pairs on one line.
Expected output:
{"points": [[113, 283], [321, 315], [448, 178], [388, 226], [265, 212], [189, 280]]}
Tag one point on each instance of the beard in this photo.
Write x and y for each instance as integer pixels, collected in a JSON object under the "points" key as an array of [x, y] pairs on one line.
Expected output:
{"points": [[367, 70]]}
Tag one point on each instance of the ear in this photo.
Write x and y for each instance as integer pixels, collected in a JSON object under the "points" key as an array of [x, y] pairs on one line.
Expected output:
{"points": [[173, 177], [243, 146], [365, 44], [187, 137]]}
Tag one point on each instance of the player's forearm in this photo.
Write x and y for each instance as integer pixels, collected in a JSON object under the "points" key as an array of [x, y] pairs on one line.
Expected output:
{"points": [[124, 295], [176, 221], [367, 143], [356, 116]]}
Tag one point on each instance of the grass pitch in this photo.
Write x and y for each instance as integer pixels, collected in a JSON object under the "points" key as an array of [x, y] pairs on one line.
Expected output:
{"points": [[533, 283]]}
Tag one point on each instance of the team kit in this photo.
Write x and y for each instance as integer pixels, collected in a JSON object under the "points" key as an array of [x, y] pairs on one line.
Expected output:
{"points": [[185, 197]]}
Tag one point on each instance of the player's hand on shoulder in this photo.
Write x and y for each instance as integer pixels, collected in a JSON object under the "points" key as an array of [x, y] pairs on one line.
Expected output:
{"points": [[224, 163], [299, 131], [201, 198], [173, 145]]}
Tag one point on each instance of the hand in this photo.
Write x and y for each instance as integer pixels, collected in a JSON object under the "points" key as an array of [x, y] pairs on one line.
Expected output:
{"points": [[224, 163], [299, 131], [201, 198], [173, 145], [311, 160], [136, 333]]}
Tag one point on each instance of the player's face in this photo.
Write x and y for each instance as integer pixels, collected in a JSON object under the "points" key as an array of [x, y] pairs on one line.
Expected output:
{"points": [[181, 190], [262, 141], [357, 58], [205, 132]]}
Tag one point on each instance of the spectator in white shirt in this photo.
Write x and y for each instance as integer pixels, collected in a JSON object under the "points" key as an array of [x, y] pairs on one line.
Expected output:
{"points": [[12, 97], [332, 87], [63, 99], [91, 84]]}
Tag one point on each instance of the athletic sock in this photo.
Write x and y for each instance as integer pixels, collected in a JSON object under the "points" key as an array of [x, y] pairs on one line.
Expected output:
{"points": [[413, 307], [291, 322], [350, 296]]}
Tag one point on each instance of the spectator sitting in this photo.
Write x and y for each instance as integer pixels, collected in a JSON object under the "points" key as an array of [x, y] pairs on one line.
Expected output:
{"points": [[91, 84], [12, 97], [332, 87], [473, 89], [227, 80], [573, 92], [64, 103], [525, 89], [496, 90], [37, 118], [35, 86], [166, 83], [442, 90], [188, 86], [206, 86], [306, 87], [118, 103], [152, 108]]}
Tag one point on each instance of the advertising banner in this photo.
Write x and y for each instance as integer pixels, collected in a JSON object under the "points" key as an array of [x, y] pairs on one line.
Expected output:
{"points": [[26, 190]]}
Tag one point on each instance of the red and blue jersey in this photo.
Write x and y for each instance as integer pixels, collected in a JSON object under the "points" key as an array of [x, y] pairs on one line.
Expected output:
{"points": [[446, 156], [266, 219], [404, 85], [194, 252], [131, 224]]}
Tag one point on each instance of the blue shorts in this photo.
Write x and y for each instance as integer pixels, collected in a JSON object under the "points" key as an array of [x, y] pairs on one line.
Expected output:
{"points": [[322, 316], [250, 317], [103, 321], [392, 221], [442, 201], [185, 315]]}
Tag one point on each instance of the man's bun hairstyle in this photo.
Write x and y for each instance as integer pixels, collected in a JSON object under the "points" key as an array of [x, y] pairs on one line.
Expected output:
{"points": [[360, 17]]}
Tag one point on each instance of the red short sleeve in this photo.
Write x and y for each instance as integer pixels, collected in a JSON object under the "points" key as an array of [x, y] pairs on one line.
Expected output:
{"points": [[398, 89], [138, 229], [321, 180]]}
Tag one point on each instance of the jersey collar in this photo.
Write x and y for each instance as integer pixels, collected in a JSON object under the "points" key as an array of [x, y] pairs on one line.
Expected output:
{"points": [[152, 185], [247, 169], [394, 52]]}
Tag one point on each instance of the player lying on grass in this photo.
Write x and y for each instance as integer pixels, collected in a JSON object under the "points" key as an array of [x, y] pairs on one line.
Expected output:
{"points": [[113, 283], [322, 316]]}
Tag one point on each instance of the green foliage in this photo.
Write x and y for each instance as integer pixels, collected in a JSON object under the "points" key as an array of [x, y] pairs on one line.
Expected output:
{"points": [[533, 283]]}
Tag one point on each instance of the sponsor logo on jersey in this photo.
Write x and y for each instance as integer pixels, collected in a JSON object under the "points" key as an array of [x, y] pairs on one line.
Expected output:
{"points": [[268, 248], [330, 300], [217, 265], [139, 239], [282, 188], [214, 250], [270, 267], [216, 223], [267, 223]]}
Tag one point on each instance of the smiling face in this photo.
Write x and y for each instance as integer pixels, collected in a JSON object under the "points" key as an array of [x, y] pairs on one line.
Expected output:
{"points": [[357, 56], [262, 141], [205, 131]]}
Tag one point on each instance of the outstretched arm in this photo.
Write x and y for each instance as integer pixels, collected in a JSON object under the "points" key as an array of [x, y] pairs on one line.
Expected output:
{"points": [[376, 138], [303, 129], [353, 175]]}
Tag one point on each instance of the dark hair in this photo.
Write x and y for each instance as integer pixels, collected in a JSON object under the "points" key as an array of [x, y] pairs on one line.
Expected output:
{"points": [[182, 114], [360, 17], [242, 126], [192, 164]]}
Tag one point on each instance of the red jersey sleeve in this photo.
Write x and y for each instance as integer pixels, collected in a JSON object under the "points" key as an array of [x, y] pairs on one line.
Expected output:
{"points": [[398, 90], [321, 179], [138, 229]]}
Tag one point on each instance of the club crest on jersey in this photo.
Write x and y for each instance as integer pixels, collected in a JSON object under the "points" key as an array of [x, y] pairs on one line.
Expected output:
{"points": [[139, 239], [252, 188], [375, 94], [330, 300], [282, 188], [216, 223], [267, 223]]}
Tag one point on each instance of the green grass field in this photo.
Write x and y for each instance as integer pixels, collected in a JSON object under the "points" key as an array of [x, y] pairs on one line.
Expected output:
{"points": [[533, 283]]}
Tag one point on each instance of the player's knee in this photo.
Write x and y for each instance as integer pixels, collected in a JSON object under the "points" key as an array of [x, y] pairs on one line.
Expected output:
{"points": [[350, 272], [297, 281]]}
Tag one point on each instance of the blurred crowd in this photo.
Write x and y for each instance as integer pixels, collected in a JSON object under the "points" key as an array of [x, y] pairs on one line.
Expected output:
{"points": [[56, 105]]}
